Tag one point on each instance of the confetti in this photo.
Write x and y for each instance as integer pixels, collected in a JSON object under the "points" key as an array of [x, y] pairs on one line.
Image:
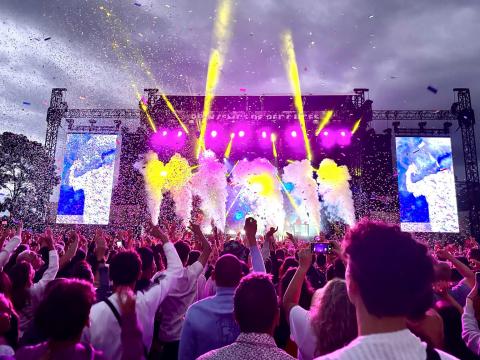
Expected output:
{"points": [[26, 103], [82, 97], [432, 89], [370, 17], [47, 38], [354, 68], [137, 4], [243, 89]]}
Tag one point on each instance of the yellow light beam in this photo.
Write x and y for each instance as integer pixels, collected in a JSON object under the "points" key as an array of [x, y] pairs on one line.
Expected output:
{"points": [[356, 126], [292, 71], [144, 108], [233, 202], [326, 119], [221, 35], [274, 148], [289, 197], [233, 168], [172, 109], [229, 147]]}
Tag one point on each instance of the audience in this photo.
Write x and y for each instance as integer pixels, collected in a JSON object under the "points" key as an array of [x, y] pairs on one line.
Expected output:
{"points": [[331, 322], [389, 279], [61, 316], [256, 312], [125, 267], [85, 294]]}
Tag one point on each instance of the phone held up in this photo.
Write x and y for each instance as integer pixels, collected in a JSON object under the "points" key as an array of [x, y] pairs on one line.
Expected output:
{"points": [[321, 248]]}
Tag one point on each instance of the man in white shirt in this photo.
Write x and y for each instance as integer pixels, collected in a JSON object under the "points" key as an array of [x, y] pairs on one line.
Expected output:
{"points": [[181, 296], [104, 332], [389, 279]]}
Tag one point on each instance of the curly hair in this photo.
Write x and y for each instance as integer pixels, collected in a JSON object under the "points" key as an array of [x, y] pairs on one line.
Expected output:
{"points": [[333, 317]]}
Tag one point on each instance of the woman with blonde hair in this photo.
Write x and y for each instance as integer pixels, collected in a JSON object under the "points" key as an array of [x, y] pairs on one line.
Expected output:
{"points": [[331, 322]]}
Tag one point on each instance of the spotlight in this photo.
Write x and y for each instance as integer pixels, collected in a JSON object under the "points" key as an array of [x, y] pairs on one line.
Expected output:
{"points": [[163, 173], [264, 134], [325, 133], [273, 137], [343, 133], [179, 134], [241, 133], [213, 133], [294, 133], [232, 135], [164, 133]]}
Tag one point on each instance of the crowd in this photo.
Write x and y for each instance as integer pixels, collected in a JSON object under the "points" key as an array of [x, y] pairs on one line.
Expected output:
{"points": [[184, 295]]}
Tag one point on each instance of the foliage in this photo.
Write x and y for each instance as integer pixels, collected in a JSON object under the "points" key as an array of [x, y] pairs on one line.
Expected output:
{"points": [[27, 178]]}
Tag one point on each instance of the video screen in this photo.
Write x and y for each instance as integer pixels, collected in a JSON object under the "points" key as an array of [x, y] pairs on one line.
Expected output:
{"points": [[426, 185], [87, 179]]}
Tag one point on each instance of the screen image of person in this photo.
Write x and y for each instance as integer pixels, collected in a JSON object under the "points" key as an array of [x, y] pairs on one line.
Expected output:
{"points": [[87, 179], [426, 184]]}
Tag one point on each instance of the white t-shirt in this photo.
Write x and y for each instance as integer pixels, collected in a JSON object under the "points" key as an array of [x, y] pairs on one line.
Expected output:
{"points": [[398, 345], [172, 310], [301, 332]]}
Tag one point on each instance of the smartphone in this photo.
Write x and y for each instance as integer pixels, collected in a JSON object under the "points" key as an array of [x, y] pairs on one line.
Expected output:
{"points": [[321, 247]]}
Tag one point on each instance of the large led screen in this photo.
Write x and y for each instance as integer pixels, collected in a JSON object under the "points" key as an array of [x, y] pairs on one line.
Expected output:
{"points": [[87, 179], [426, 185]]}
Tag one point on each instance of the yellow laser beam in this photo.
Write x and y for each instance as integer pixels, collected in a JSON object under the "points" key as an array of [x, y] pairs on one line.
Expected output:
{"points": [[289, 197], [221, 35], [229, 147], [233, 168], [233, 202], [274, 147], [356, 126], [144, 108], [292, 71], [326, 119], [172, 109]]}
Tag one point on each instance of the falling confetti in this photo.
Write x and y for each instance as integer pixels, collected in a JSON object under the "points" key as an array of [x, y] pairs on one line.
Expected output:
{"points": [[26, 103], [432, 89], [137, 4], [47, 38]]}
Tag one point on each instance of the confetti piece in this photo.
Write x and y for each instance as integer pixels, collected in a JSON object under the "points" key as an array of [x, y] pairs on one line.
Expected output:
{"points": [[354, 68], [137, 4], [167, 6], [243, 89], [26, 103], [47, 38], [370, 17], [82, 97], [432, 89]]}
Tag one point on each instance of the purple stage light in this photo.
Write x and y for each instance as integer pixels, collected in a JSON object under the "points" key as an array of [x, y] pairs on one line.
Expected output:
{"points": [[241, 133], [294, 134], [213, 134], [179, 133], [164, 132], [325, 133], [345, 138], [217, 137], [160, 140], [264, 134]]}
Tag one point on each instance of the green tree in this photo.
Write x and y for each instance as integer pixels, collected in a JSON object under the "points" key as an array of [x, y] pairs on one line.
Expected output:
{"points": [[27, 178]]}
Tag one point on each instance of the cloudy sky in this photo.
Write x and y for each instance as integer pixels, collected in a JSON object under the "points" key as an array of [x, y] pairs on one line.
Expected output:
{"points": [[396, 48]]}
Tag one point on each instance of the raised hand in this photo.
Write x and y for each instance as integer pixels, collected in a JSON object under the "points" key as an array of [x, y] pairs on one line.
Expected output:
{"points": [[157, 233], [250, 227], [305, 258], [49, 241]]}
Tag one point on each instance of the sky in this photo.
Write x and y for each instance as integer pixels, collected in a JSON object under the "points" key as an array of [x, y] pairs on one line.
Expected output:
{"points": [[396, 48]]}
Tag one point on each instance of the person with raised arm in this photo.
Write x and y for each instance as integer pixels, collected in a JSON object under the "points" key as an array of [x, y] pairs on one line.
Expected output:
{"points": [[104, 332], [389, 279], [173, 308], [209, 323]]}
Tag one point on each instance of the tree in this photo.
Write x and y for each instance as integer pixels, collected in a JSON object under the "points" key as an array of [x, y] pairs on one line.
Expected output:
{"points": [[27, 177]]}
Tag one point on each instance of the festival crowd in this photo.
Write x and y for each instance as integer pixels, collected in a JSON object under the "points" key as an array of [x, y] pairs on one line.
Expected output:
{"points": [[379, 294]]}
